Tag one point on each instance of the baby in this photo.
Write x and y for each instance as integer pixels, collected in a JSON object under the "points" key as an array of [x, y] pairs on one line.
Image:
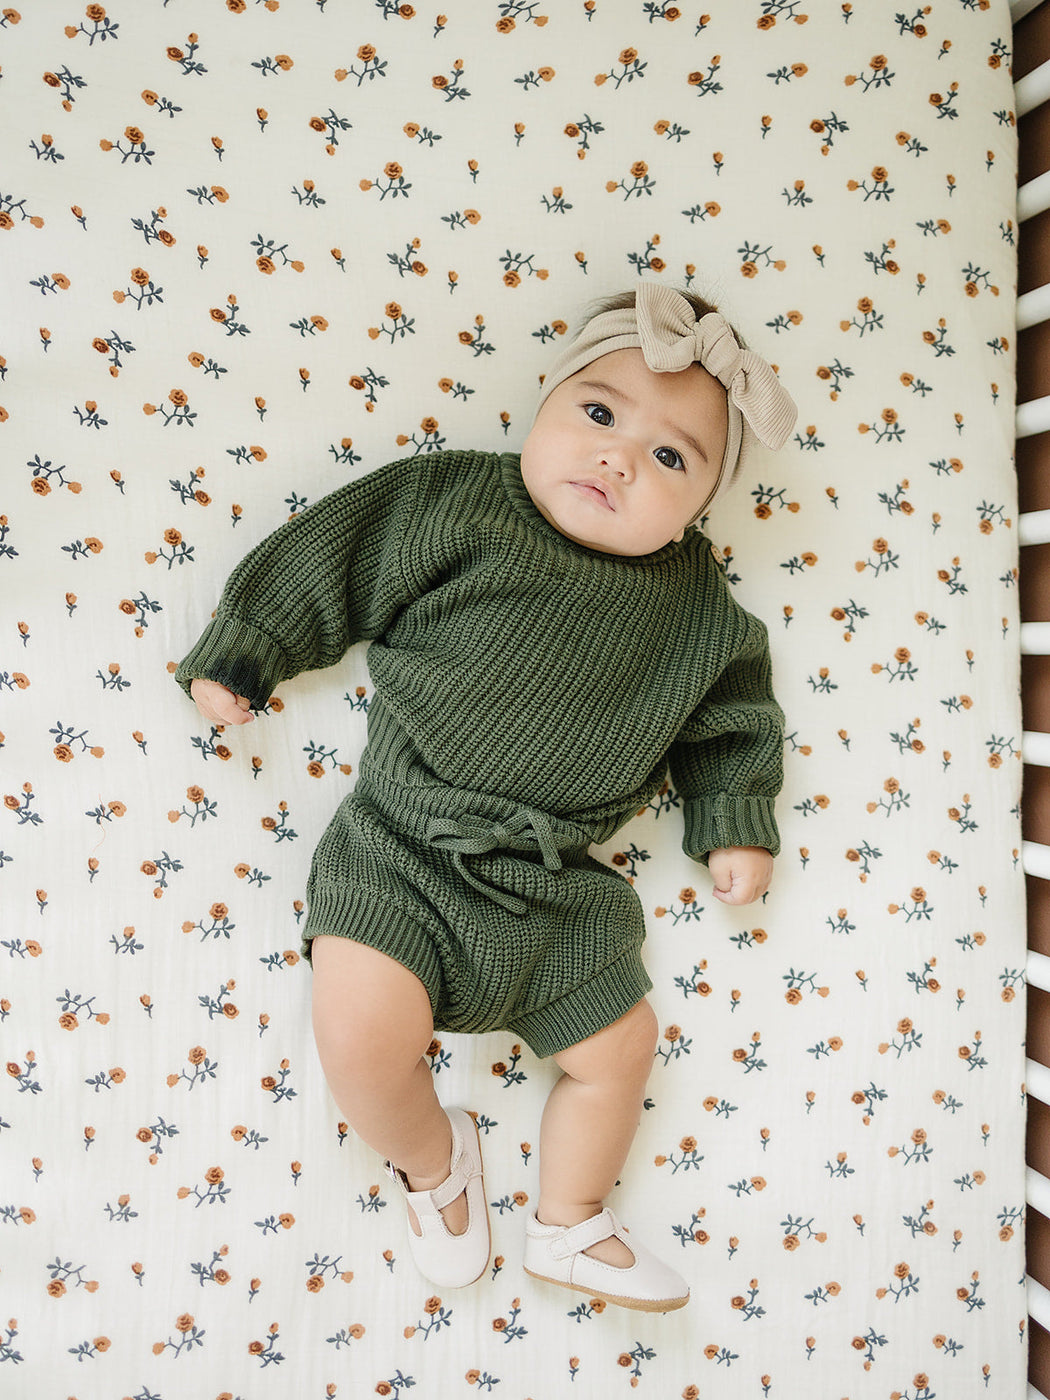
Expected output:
{"points": [[547, 636]]}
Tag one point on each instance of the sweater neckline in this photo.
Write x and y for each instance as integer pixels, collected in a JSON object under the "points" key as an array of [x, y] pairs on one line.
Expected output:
{"points": [[524, 506]]}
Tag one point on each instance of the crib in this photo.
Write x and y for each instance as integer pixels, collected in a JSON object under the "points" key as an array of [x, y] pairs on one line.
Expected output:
{"points": [[251, 251], [1032, 36]]}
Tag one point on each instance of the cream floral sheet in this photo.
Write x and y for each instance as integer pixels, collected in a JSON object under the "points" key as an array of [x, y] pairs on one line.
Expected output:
{"points": [[251, 250]]}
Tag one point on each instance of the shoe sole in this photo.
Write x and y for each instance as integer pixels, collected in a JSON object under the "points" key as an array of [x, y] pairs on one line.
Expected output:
{"points": [[638, 1304]]}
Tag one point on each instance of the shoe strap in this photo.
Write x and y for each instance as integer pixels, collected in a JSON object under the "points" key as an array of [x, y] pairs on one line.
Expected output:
{"points": [[454, 1184], [577, 1238], [431, 1203]]}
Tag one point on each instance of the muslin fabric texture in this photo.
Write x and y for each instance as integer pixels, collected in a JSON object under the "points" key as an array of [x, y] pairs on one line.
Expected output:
{"points": [[251, 252]]}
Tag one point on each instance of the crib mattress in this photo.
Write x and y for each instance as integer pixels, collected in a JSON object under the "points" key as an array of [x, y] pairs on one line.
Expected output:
{"points": [[252, 251]]}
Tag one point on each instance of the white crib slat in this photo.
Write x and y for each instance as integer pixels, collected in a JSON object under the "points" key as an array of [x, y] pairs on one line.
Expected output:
{"points": [[1033, 1394], [1037, 974], [1038, 1301], [1033, 196], [1035, 638], [1035, 748], [1032, 90], [1037, 1081], [1034, 415], [1033, 527], [1020, 8], [1034, 306], [1037, 1191], [1035, 859]]}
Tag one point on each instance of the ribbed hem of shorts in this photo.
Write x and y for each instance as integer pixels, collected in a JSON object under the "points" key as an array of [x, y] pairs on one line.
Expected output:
{"points": [[373, 919], [586, 1009]]}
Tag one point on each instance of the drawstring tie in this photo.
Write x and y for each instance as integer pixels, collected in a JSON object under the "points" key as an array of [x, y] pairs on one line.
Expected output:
{"points": [[528, 830]]}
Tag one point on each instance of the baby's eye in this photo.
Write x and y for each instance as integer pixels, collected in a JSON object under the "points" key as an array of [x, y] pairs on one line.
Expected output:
{"points": [[668, 457], [598, 413]]}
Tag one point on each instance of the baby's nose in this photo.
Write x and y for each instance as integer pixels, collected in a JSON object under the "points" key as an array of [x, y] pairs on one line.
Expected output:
{"points": [[618, 458]]}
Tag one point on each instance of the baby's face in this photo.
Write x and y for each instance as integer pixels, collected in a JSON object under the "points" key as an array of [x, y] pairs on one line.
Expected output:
{"points": [[621, 459]]}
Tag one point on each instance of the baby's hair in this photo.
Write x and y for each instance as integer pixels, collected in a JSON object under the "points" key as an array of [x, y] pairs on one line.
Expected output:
{"points": [[625, 301]]}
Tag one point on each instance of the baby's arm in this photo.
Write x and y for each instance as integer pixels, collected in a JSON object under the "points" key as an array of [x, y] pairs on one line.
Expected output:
{"points": [[219, 704], [741, 873], [327, 578]]}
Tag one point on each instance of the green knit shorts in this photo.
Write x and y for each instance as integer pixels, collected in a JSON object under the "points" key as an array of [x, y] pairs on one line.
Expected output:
{"points": [[501, 913]]}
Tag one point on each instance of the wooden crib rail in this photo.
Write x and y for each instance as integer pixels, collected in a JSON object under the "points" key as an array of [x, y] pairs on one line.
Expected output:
{"points": [[1031, 72]]}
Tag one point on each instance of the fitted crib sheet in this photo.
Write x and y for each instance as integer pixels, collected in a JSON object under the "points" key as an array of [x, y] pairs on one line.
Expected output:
{"points": [[250, 251]]}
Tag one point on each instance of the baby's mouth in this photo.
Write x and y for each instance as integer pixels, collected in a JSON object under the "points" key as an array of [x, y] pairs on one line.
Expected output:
{"points": [[594, 491]]}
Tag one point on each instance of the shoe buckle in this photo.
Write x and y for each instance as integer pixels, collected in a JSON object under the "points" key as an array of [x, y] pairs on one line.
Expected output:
{"points": [[396, 1175]]}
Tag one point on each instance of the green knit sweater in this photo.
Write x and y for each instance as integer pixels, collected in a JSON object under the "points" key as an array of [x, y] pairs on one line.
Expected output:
{"points": [[510, 660]]}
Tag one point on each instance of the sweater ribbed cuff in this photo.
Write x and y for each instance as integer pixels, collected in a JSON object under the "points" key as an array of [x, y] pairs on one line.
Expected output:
{"points": [[238, 656], [714, 823]]}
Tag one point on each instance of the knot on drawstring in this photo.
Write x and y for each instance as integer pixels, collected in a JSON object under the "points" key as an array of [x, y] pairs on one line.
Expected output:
{"points": [[527, 830]]}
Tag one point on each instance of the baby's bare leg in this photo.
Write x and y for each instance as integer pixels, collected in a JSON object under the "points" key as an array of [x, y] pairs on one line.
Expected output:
{"points": [[372, 1024], [590, 1121]]}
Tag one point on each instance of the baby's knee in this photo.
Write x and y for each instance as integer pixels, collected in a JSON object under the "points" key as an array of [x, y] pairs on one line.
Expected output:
{"points": [[623, 1050], [367, 1056], [642, 1033], [365, 1021], [635, 1037]]}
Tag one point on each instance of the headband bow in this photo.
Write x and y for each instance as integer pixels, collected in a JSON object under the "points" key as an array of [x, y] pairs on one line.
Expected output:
{"points": [[663, 325]]}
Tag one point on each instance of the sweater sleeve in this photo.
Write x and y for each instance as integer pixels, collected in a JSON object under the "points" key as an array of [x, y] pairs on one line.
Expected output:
{"points": [[727, 761], [321, 582]]}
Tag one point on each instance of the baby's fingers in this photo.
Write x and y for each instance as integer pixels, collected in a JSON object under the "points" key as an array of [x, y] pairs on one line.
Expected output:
{"points": [[219, 704], [740, 892], [740, 874], [237, 710]]}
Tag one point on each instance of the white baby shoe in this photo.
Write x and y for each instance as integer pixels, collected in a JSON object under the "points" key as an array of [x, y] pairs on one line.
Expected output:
{"points": [[555, 1253], [452, 1261]]}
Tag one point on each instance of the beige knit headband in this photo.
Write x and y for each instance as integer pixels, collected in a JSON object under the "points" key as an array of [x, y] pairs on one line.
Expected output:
{"points": [[663, 325]]}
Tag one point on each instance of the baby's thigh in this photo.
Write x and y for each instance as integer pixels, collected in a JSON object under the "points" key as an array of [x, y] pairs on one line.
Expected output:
{"points": [[367, 1005]]}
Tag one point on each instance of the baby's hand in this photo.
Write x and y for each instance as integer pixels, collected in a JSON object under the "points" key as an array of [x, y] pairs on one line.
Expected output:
{"points": [[219, 704], [741, 873]]}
